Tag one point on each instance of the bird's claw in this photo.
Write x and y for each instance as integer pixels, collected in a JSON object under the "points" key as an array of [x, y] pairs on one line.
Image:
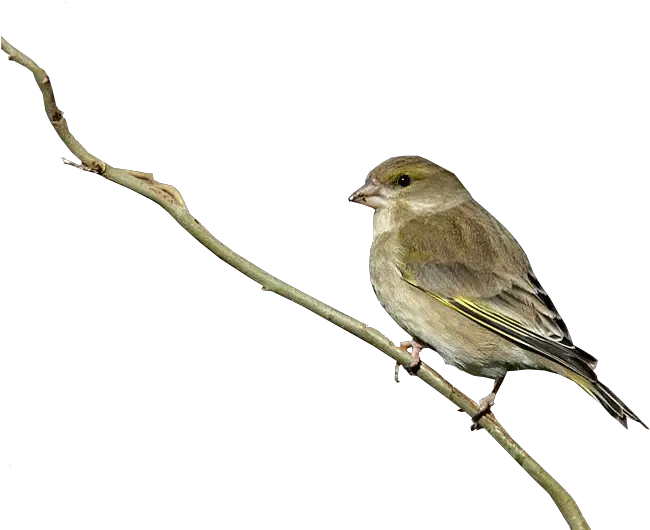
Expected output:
{"points": [[485, 407], [415, 361], [413, 367], [415, 355]]}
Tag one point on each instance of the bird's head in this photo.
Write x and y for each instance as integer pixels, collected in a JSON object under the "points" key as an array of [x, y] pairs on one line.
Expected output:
{"points": [[412, 181]]}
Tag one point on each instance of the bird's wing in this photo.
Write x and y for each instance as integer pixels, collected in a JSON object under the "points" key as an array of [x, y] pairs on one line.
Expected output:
{"points": [[465, 259]]}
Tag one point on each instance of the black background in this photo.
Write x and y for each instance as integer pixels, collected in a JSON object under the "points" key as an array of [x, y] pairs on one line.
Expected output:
{"points": [[141, 380]]}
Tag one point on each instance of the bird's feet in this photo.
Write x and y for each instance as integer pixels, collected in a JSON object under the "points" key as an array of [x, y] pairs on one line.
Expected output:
{"points": [[416, 348], [485, 407], [413, 367]]}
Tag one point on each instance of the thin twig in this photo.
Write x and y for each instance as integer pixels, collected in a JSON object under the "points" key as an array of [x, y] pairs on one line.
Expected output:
{"points": [[170, 199], [78, 166]]}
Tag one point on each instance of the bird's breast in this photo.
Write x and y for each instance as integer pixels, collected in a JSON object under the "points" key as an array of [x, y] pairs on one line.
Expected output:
{"points": [[404, 303]]}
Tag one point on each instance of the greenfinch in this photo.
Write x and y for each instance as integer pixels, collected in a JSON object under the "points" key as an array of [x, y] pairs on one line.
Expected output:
{"points": [[458, 282]]}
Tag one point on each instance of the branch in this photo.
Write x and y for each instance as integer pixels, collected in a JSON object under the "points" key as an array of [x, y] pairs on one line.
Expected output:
{"points": [[170, 199]]}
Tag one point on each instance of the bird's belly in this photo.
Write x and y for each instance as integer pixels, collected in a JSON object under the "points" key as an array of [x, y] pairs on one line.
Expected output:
{"points": [[459, 341]]}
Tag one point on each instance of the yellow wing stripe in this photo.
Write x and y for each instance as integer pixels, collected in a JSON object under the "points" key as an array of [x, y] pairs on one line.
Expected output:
{"points": [[482, 322], [503, 319], [486, 311]]}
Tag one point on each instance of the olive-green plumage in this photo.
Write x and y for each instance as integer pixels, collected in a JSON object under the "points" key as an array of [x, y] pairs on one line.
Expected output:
{"points": [[457, 281]]}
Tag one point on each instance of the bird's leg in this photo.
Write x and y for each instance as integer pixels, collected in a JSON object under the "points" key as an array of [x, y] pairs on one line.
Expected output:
{"points": [[487, 403]]}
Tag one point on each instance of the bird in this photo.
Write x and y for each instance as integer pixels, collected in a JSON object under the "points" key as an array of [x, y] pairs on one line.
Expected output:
{"points": [[456, 280]]}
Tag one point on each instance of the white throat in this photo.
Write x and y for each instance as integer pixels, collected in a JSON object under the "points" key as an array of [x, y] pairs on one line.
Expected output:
{"points": [[383, 221]]}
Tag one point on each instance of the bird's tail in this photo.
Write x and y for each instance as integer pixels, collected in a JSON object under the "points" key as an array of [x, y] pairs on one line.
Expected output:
{"points": [[607, 399]]}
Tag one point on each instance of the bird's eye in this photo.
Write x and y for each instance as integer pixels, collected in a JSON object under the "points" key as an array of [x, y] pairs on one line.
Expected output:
{"points": [[403, 180]]}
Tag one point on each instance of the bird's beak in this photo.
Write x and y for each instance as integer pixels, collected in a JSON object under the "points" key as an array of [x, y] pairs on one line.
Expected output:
{"points": [[370, 195]]}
